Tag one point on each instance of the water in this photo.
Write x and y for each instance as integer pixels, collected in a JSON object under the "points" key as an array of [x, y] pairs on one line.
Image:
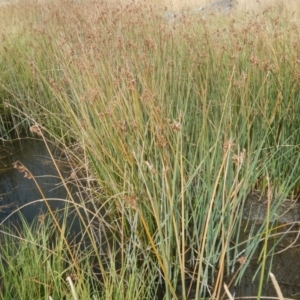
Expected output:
{"points": [[22, 195]]}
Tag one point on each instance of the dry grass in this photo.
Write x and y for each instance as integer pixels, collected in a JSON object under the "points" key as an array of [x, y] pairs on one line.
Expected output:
{"points": [[256, 5], [261, 5], [291, 7]]}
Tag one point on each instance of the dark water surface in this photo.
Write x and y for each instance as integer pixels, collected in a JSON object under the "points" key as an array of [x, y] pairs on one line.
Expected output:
{"points": [[20, 194]]}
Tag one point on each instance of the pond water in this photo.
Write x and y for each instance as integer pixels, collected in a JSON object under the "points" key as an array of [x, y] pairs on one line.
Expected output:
{"points": [[20, 195]]}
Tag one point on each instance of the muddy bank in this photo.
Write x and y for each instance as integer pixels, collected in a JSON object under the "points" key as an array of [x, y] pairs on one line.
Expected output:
{"points": [[280, 210]]}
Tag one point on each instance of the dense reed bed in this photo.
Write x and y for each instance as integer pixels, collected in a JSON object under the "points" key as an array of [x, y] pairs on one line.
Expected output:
{"points": [[168, 127]]}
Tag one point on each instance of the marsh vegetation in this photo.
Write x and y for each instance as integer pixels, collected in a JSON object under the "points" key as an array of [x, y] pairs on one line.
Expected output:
{"points": [[165, 128]]}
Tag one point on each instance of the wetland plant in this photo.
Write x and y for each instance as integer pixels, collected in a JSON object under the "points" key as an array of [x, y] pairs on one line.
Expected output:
{"points": [[169, 127]]}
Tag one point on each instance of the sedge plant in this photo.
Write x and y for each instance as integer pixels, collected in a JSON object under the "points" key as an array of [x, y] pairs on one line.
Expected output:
{"points": [[171, 125]]}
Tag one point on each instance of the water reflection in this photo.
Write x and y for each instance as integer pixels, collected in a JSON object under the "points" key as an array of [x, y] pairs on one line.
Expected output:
{"points": [[21, 194]]}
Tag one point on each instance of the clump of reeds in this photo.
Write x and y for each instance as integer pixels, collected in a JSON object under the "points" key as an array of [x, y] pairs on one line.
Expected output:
{"points": [[175, 124]]}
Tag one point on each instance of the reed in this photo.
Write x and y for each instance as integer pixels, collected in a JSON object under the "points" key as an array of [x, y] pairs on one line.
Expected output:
{"points": [[170, 126]]}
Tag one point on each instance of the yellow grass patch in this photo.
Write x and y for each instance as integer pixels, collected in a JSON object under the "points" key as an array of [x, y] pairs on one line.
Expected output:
{"points": [[244, 5], [257, 5]]}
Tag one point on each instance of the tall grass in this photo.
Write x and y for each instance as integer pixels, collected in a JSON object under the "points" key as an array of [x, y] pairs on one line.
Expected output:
{"points": [[171, 125]]}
